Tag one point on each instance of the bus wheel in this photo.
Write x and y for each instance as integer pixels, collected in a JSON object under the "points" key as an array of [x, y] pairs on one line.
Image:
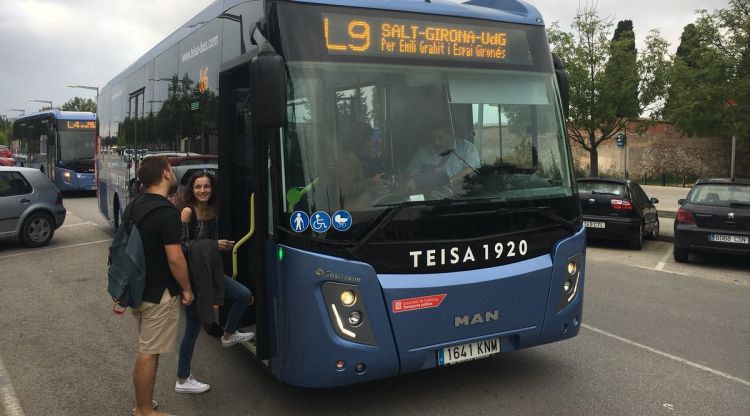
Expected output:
{"points": [[116, 213], [37, 230], [213, 329]]}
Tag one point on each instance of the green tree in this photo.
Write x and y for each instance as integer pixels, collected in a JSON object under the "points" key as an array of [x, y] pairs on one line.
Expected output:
{"points": [[5, 130], [609, 81], [621, 72], [79, 104], [710, 91]]}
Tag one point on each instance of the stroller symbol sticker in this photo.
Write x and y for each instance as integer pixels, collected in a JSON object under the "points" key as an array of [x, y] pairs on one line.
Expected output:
{"points": [[320, 222], [342, 220]]}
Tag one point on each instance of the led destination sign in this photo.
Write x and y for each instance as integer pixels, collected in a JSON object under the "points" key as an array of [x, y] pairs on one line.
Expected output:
{"points": [[385, 37], [77, 124]]}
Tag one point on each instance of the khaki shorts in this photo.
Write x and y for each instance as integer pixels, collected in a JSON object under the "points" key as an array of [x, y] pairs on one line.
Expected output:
{"points": [[157, 325]]}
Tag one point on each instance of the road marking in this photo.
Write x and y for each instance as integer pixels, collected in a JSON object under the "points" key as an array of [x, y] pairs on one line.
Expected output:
{"points": [[653, 269], [80, 223], [7, 395], [55, 248], [670, 356], [663, 262]]}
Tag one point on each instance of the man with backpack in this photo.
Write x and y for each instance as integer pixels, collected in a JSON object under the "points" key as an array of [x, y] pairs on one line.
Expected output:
{"points": [[158, 316]]}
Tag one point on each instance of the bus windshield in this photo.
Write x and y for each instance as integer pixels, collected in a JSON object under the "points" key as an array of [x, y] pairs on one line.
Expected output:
{"points": [[362, 137], [76, 145]]}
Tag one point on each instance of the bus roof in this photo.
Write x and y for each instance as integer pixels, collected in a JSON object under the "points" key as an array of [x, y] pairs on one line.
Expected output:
{"points": [[61, 115], [511, 11]]}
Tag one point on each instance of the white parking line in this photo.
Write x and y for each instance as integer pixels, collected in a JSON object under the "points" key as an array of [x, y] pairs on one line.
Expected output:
{"points": [[670, 356], [663, 262], [76, 225], [54, 248], [7, 395]]}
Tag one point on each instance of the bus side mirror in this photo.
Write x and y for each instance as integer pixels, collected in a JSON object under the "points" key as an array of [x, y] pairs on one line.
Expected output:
{"points": [[268, 89], [563, 82]]}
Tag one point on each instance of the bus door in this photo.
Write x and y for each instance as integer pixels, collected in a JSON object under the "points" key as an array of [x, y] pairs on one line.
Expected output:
{"points": [[134, 139], [242, 172]]}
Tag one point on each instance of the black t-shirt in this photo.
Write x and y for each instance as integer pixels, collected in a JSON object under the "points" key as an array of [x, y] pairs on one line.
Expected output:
{"points": [[160, 227]]}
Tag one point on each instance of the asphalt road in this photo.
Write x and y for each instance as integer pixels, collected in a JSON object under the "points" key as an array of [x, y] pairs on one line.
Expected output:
{"points": [[658, 339]]}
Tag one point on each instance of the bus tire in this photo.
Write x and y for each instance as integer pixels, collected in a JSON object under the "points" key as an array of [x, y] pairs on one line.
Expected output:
{"points": [[37, 230], [213, 329], [116, 213]]}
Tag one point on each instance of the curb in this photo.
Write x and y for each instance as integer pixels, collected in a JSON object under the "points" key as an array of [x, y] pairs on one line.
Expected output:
{"points": [[667, 214], [666, 238]]}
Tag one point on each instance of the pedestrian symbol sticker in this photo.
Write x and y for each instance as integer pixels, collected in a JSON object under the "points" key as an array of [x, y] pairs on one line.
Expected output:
{"points": [[299, 221], [342, 220], [320, 222]]}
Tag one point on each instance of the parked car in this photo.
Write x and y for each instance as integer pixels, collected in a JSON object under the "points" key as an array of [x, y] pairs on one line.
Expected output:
{"points": [[7, 161], [6, 151], [31, 207], [618, 209], [715, 217]]}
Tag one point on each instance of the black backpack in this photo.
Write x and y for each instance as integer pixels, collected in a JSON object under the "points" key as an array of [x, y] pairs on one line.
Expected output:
{"points": [[126, 275]]}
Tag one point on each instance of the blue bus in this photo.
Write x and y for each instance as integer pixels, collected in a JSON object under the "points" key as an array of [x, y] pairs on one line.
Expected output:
{"points": [[396, 174], [59, 143]]}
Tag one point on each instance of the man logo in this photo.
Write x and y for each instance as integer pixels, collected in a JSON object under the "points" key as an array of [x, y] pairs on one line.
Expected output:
{"points": [[476, 319]]}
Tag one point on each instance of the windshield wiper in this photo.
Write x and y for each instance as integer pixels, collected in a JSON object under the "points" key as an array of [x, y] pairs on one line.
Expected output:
{"points": [[547, 212], [387, 216], [393, 210]]}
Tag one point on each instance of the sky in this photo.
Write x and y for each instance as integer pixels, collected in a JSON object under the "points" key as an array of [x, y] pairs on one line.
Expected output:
{"points": [[49, 44]]}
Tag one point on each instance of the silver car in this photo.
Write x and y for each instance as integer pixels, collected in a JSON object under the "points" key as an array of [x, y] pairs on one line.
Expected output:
{"points": [[31, 207]]}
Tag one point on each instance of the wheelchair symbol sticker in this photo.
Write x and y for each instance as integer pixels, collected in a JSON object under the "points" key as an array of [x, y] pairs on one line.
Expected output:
{"points": [[342, 220], [299, 221], [320, 222]]}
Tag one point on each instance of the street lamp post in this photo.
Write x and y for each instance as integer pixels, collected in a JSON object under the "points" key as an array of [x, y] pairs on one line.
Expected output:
{"points": [[20, 110], [41, 101], [86, 87]]}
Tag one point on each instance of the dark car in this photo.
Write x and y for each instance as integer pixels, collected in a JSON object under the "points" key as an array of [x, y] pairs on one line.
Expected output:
{"points": [[618, 209], [715, 217], [31, 207]]}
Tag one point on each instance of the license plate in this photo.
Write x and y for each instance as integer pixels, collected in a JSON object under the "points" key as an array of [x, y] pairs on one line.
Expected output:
{"points": [[466, 352], [725, 238], [594, 224]]}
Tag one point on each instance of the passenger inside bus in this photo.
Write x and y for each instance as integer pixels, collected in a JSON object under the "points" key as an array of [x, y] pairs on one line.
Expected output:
{"points": [[360, 172], [442, 164]]}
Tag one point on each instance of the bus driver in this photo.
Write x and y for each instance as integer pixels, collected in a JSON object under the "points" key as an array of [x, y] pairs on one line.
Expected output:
{"points": [[444, 162]]}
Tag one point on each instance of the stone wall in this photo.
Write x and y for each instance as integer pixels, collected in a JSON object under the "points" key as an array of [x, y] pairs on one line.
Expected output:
{"points": [[659, 149]]}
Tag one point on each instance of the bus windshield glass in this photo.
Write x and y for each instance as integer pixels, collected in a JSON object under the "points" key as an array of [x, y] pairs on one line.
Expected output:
{"points": [[368, 131], [76, 145]]}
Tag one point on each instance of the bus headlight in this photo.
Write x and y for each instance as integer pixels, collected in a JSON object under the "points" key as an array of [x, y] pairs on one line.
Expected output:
{"points": [[348, 298], [569, 287], [351, 325], [572, 268], [355, 318], [67, 177]]}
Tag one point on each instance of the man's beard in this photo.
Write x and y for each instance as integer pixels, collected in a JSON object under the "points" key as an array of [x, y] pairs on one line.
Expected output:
{"points": [[172, 187]]}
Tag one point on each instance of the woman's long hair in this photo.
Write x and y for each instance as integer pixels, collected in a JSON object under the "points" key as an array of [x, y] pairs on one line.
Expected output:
{"points": [[188, 196]]}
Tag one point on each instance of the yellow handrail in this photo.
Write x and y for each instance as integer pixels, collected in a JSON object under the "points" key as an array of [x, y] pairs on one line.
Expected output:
{"points": [[245, 238]]}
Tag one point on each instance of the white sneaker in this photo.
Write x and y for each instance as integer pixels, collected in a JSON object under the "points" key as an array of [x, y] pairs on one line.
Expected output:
{"points": [[236, 338], [191, 385]]}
